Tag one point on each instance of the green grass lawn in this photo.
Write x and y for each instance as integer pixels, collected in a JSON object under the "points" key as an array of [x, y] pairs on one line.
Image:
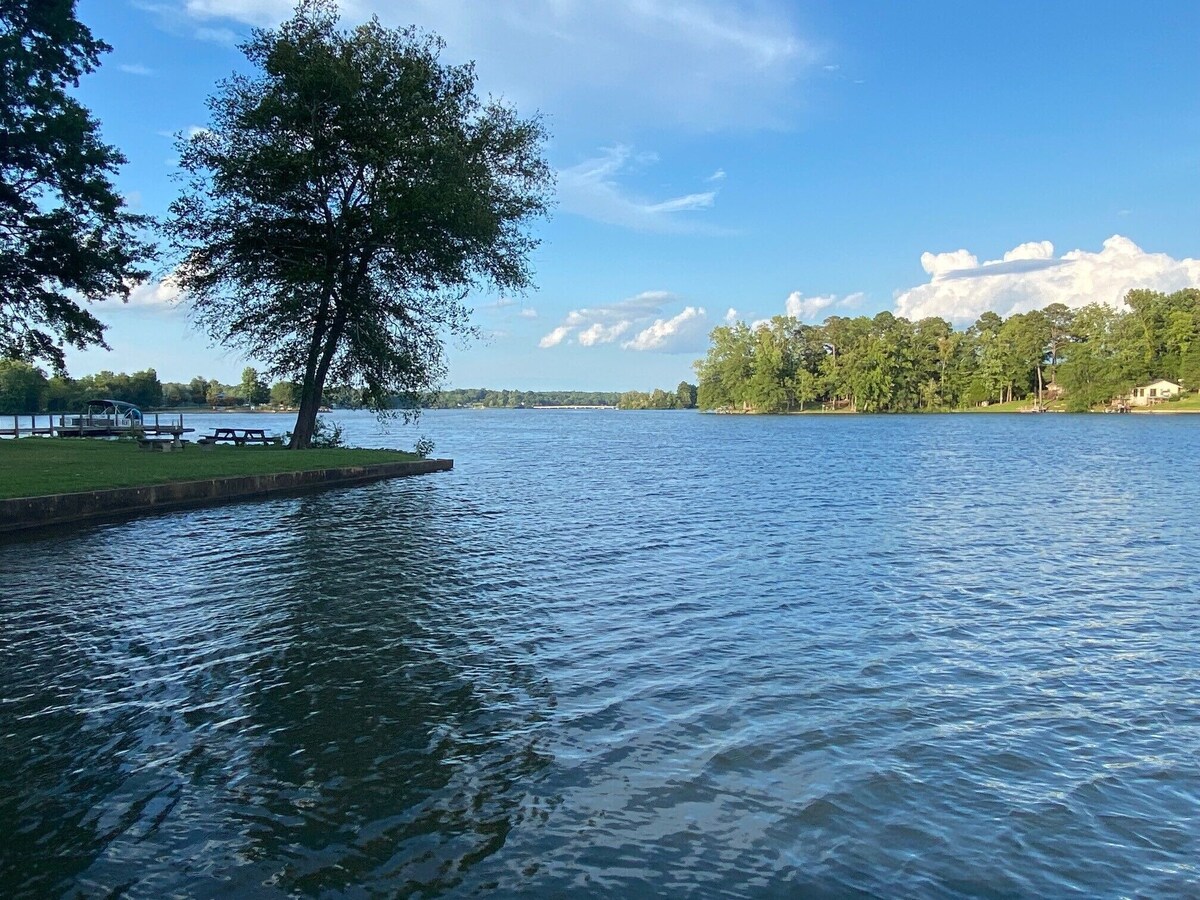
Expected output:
{"points": [[1187, 403], [32, 467]]}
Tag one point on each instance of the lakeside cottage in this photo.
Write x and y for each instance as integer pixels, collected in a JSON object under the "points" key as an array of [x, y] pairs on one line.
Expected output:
{"points": [[1154, 392]]}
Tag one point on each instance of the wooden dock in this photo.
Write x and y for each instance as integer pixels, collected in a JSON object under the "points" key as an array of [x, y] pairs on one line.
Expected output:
{"points": [[68, 425]]}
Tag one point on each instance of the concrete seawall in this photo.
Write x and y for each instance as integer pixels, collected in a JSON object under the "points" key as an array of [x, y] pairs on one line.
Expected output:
{"points": [[21, 513]]}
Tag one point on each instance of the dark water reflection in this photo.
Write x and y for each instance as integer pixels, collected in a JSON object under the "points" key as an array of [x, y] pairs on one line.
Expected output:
{"points": [[285, 705], [629, 654]]}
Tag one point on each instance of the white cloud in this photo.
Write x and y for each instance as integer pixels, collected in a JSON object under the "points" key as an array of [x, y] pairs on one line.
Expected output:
{"points": [[1031, 250], [731, 316], [800, 307], [224, 36], [595, 325], [179, 17], [598, 333], [252, 12], [154, 295], [136, 69], [590, 189], [940, 263], [810, 309], [718, 175], [528, 313], [1030, 277], [705, 64], [555, 337], [685, 333]]}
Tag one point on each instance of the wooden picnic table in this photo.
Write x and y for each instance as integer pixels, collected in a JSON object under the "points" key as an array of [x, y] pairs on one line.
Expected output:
{"points": [[239, 436], [162, 443]]}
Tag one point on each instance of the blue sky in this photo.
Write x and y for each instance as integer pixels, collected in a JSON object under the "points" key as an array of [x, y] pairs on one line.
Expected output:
{"points": [[721, 160]]}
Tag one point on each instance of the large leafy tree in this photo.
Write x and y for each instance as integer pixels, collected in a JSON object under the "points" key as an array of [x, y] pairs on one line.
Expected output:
{"points": [[65, 234], [23, 389], [344, 200]]}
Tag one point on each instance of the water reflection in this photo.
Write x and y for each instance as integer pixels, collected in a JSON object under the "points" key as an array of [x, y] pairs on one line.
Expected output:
{"points": [[296, 704], [653, 654]]}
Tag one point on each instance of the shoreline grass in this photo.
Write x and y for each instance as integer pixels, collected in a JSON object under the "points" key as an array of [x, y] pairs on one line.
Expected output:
{"points": [[38, 467]]}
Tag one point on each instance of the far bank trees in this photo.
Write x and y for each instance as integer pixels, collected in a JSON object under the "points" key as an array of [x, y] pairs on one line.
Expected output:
{"points": [[342, 202], [890, 364]]}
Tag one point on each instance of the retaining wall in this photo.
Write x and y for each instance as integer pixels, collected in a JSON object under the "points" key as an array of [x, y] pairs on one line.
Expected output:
{"points": [[22, 513]]}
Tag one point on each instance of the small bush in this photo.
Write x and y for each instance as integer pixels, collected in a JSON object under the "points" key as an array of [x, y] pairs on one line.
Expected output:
{"points": [[423, 447], [326, 436]]}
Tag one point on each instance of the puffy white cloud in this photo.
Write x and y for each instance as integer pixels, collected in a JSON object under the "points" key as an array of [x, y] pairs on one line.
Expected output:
{"points": [[684, 333], [731, 316], [555, 337], [595, 325], [813, 309], [940, 263], [800, 307], [598, 333], [1031, 277], [162, 296], [591, 189], [705, 64], [1031, 250]]}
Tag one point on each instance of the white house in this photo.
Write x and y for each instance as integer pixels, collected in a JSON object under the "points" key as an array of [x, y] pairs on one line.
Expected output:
{"points": [[1154, 392]]}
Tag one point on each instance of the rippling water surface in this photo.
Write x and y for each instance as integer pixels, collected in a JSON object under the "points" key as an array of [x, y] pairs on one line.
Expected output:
{"points": [[629, 654]]}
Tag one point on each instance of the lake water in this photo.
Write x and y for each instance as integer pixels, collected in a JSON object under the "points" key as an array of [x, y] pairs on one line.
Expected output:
{"points": [[629, 654]]}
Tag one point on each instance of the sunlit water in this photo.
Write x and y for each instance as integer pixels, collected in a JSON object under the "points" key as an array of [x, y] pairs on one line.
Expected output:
{"points": [[629, 654]]}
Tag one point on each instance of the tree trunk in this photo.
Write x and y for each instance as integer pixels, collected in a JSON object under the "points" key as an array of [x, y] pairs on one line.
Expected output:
{"points": [[322, 349], [310, 400], [310, 391]]}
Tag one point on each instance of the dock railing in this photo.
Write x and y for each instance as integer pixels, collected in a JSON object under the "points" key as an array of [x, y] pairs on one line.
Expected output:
{"points": [[63, 424]]}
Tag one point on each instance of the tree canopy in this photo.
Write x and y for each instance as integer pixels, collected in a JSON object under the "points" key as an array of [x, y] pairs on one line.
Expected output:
{"points": [[65, 233], [343, 201], [890, 364]]}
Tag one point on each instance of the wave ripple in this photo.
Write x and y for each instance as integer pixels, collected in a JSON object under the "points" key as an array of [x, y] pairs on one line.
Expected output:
{"points": [[636, 654]]}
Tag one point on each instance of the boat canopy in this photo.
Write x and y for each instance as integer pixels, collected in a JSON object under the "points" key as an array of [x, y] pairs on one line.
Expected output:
{"points": [[115, 408]]}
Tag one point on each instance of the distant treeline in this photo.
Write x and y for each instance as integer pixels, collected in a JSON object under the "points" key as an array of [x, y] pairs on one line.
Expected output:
{"points": [[888, 363], [461, 398], [26, 389], [684, 397]]}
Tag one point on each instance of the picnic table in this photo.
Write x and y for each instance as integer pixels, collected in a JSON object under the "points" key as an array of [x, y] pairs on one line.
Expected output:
{"points": [[160, 442], [239, 436]]}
